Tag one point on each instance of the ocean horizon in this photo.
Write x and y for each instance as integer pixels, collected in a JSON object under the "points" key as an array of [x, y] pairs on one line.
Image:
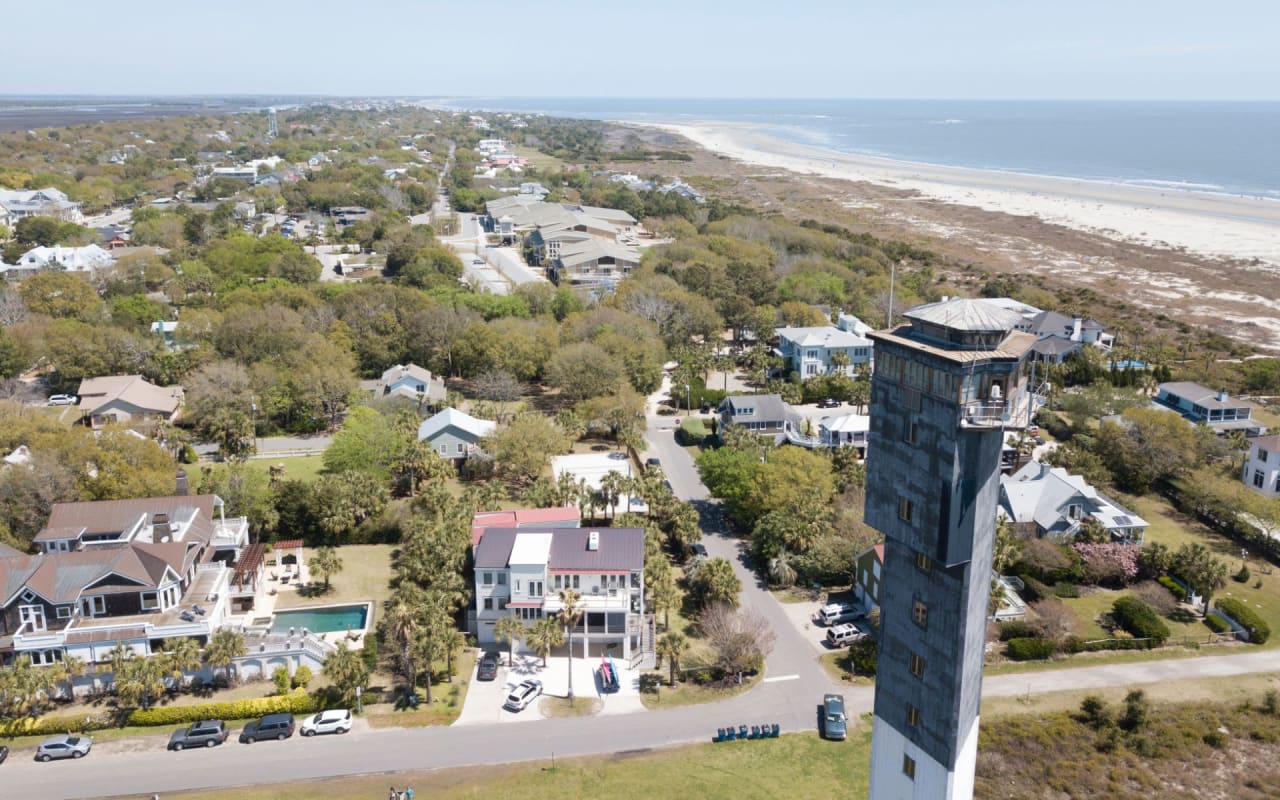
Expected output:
{"points": [[1227, 147]]}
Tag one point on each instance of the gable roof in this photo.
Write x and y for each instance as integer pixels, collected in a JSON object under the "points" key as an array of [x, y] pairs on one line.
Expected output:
{"points": [[1042, 494], [563, 517], [452, 417], [133, 389], [1202, 395], [619, 550], [1269, 443], [762, 407], [402, 371], [822, 336], [100, 517]]}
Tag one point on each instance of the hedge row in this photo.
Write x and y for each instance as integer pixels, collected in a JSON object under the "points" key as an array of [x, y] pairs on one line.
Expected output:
{"points": [[1029, 648], [1216, 623], [1247, 618], [298, 702], [1038, 590], [1139, 619], [691, 431], [1179, 591], [1016, 629], [1075, 644]]}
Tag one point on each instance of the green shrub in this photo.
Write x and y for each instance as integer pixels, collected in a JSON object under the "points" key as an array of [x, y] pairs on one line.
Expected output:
{"points": [[1030, 648], [1247, 618], [649, 682], [301, 677], [1016, 629], [1243, 575], [1075, 644], [1035, 590], [282, 680], [1179, 591], [49, 726], [297, 702], [1138, 619], [1216, 623], [692, 431], [1066, 590], [864, 656]]}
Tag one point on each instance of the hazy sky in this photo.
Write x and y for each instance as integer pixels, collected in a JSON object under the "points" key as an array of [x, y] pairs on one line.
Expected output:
{"points": [[1089, 49]]}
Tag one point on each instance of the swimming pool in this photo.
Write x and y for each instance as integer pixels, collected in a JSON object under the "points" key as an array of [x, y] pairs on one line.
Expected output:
{"points": [[327, 619]]}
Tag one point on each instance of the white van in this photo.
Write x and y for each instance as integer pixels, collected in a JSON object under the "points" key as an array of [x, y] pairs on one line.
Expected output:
{"points": [[836, 613], [844, 635]]}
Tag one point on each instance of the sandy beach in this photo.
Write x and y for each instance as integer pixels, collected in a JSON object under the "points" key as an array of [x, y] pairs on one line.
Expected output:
{"points": [[1210, 225]]}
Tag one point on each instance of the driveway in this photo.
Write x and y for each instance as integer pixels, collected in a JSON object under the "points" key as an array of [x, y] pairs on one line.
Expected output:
{"points": [[483, 705]]}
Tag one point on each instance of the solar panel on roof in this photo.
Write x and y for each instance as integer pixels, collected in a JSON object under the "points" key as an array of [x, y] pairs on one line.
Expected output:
{"points": [[1123, 520]]}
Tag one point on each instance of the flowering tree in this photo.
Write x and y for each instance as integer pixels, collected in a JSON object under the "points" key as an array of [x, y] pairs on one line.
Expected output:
{"points": [[1108, 563]]}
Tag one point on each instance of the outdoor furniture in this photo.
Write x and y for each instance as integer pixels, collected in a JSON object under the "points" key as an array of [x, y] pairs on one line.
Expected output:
{"points": [[776, 730], [719, 737], [198, 610], [755, 732], [729, 734], [187, 616], [742, 731]]}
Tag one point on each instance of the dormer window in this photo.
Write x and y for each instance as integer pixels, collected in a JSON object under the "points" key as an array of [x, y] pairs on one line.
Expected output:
{"points": [[28, 596]]}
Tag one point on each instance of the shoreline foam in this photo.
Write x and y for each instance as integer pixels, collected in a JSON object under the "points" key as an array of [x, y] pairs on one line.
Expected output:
{"points": [[1216, 225]]}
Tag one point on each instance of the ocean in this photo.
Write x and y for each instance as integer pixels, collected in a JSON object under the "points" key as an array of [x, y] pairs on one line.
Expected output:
{"points": [[1219, 147]]}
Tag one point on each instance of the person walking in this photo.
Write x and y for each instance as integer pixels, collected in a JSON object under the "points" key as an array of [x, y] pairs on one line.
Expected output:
{"points": [[408, 793], [394, 795]]}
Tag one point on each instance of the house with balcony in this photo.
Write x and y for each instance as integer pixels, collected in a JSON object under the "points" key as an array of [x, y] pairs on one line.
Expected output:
{"points": [[823, 350], [1261, 470], [129, 571], [1201, 405], [766, 414], [1048, 501], [1058, 335], [521, 572]]}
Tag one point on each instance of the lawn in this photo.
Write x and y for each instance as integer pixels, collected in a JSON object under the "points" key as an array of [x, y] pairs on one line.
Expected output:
{"points": [[795, 765], [691, 694], [1096, 602], [448, 698], [296, 468], [365, 575], [538, 159]]}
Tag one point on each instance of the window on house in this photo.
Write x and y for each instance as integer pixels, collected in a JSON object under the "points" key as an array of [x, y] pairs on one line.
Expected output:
{"points": [[502, 579], [32, 616], [904, 509], [444, 449], [488, 604], [909, 767], [459, 448], [535, 588], [920, 613], [912, 432], [1073, 511], [576, 581], [1259, 479], [150, 601], [502, 603], [64, 612], [916, 665], [487, 578], [517, 585], [1262, 455], [557, 582], [913, 715], [923, 562], [1277, 486]]}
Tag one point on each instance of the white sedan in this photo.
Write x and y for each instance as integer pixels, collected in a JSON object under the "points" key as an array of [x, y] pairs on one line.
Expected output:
{"points": [[523, 695], [337, 720]]}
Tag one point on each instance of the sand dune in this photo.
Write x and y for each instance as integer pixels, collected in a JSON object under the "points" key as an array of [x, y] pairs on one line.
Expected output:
{"points": [[1214, 225]]}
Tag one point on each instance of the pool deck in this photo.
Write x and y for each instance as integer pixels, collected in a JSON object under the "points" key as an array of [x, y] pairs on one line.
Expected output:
{"points": [[282, 595]]}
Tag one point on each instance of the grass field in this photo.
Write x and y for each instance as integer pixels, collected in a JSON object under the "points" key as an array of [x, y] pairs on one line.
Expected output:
{"points": [[690, 694], [366, 570], [796, 765], [296, 468]]}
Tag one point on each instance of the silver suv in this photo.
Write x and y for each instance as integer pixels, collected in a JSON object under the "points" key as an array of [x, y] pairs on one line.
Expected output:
{"points": [[63, 747], [207, 733]]}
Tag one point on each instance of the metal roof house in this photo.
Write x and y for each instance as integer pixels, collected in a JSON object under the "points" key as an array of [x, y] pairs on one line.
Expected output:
{"points": [[455, 434], [1048, 501], [1201, 405]]}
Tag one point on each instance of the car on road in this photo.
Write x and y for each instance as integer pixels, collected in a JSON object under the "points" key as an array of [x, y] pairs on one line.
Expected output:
{"points": [[272, 726], [63, 747], [828, 402], [834, 724], [653, 462], [488, 668], [206, 733], [523, 695], [335, 720], [62, 400], [4, 753], [697, 550], [477, 261], [667, 484]]}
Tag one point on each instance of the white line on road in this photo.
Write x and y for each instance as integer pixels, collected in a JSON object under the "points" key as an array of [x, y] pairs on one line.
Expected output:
{"points": [[781, 678]]}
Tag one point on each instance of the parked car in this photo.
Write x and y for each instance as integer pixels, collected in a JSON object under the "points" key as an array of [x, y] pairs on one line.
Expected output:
{"points": [[62, 400], [4, 753], [272, 726], [488, 669], [705, 408], [206, 733], [835, 613], [834, 724], [523, 695], [828, 402], [653, 462], [698, 550], [843, 635], [335, 720], [63, 747], [667, 485]]}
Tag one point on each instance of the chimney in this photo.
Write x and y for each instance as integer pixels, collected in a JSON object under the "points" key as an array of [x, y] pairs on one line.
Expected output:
{"points": [[182, 488], [1076, 322], [1222, 395], [593, 540]]}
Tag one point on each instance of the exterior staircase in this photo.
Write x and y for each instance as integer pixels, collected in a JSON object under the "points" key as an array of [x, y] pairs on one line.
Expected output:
{"points": [[645, 656]]}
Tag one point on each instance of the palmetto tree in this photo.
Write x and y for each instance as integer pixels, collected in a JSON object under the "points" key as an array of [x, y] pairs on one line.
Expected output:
{"points": [[546, 635], [347, 671], [326, 562], [508, 629], [672, 646], [401, 622], [569, 615], [182, 655], [224, 647], [612, 487]]}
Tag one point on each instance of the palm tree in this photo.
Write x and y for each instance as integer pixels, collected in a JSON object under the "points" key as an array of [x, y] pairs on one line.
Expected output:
{"points": [[68, 669], [570, 613], [403, 617], [781, 573], [346, 669], [546, 635], [224, 646], [325, 563], [452, 642], [140, 680], [665, 595], [182, 654], [612, 486], [672, 646], [508, 629]]}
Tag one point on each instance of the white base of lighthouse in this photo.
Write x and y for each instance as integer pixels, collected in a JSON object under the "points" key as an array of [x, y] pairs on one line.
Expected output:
{"points": [[932, 780]]}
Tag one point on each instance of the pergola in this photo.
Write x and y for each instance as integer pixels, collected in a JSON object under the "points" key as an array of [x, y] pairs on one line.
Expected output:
{"points": [[281, 549]]}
